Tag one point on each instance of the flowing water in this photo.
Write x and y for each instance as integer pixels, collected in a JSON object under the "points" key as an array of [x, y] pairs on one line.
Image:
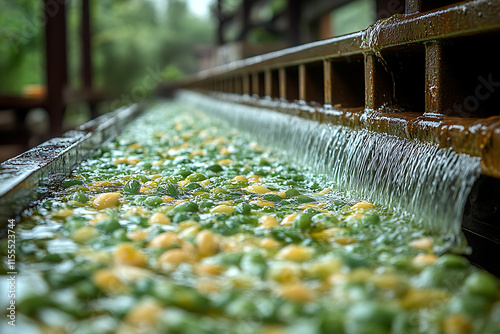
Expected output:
{"points": [[428, 184]]}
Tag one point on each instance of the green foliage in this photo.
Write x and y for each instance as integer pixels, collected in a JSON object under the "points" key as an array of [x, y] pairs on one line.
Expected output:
{"points": [[20, 45], [172, 73], [135, 44]]}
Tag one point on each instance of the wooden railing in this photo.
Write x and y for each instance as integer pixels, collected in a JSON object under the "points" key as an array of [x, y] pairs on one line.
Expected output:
{"points": [[431, 74]]}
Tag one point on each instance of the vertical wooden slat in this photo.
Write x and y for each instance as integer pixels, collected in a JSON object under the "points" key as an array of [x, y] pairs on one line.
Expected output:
{"points": [[302, 82], [311, 88], [268, 85], [378, 83], [433, 79], [369, 82], [441, 93], [327, 77]]}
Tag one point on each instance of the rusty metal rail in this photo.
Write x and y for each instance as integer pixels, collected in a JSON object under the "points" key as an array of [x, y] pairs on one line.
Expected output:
{"points": [[430, 74]]}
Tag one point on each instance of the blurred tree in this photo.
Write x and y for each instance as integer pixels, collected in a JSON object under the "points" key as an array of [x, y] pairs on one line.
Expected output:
{"points": [[182, 33], [132, 39], [21, 43]]}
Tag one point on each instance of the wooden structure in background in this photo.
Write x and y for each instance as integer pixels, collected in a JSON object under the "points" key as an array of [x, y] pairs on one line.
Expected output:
{"points": [[298, 22], [58, 95]]}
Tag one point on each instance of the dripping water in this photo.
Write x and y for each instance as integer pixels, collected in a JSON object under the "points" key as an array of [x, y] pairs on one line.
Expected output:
{"points": [[428, 184]]}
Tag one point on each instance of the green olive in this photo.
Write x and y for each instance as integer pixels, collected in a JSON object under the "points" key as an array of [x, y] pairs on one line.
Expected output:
{"points": [[169, 189], [215, 168], [70, 183], [186, 207], [196, 177], [292, 193], [243, 208], [153, 201], [304, 199], [370, 317], [80, 197], [192, 186], [469, 304], [482, 284], [108, 225], [302, 222], [132, 187], [273, 198], [451, 261]]}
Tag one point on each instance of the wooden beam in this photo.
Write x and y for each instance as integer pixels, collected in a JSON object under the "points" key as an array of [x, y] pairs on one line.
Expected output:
{"points": [[56, 62]]}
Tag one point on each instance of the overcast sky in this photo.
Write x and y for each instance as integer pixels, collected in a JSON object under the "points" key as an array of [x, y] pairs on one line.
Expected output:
{"points": [[199, 7]]}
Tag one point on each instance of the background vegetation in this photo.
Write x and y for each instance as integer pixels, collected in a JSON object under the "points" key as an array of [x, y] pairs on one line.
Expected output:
{"points": [[132, 38]]}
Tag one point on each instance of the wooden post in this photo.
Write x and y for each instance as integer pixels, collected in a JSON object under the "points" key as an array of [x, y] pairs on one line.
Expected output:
{"points": [[327, 68], [56, 62], [282, 82], [439, 94], [378, 84], [268, 85], [302, 82]]}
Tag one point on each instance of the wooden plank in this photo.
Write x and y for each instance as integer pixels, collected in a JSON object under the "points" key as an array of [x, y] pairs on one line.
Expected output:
{"points": [[302, 82], [327, 67], [268, 85], [378, 83], [434, 72]]}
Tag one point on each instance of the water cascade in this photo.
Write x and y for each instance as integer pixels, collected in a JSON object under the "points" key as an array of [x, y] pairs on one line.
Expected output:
{"points": [[422, 181]]}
